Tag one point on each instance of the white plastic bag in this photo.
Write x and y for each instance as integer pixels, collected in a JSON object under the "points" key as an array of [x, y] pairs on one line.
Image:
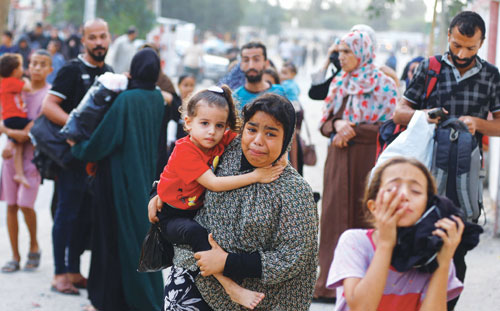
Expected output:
{"points": [[416, 141]]}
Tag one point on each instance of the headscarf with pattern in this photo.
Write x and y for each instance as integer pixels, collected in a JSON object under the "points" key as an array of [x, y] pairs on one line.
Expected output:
{"points": [[372, 95]]}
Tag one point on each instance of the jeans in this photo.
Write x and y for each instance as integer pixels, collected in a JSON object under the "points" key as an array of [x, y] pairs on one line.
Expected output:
{"points": [[67, 231]]}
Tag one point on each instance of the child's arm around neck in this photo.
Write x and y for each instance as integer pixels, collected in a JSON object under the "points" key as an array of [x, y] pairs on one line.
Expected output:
{"points": [[226, 183]]}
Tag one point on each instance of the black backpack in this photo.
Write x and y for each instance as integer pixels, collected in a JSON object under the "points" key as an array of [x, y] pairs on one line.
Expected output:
{"points": [[51, 150], [456, 166]]}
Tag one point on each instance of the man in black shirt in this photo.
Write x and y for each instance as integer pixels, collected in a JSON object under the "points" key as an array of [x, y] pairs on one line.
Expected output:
{"points": [[70, 85]]}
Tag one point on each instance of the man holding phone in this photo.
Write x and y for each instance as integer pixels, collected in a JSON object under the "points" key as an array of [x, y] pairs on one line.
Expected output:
{"points": [[467, 88]]}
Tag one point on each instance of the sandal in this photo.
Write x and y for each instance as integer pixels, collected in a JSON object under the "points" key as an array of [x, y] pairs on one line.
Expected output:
{"points": [[33, 261], [11, 266]]}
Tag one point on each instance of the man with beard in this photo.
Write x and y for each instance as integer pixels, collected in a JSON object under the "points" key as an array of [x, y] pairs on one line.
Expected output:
{"points": [[467, 88], [71, 220], [253, 62]]}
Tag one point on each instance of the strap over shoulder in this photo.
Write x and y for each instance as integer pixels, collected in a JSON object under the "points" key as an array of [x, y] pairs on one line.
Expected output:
{"points": [[432, 74]]}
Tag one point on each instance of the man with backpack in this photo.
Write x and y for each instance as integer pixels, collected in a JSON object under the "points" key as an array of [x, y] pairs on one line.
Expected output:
{"points": [[71, 219], [466, 87]]}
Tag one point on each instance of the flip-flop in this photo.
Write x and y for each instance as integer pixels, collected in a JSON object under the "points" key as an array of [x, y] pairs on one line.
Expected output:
{"points": [[11, 266], [65, 291], [33, 261]]}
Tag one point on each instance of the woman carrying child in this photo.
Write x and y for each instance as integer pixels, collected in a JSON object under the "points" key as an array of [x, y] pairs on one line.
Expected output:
{"points": [[401, 194], [267, 232], [190, 170]]}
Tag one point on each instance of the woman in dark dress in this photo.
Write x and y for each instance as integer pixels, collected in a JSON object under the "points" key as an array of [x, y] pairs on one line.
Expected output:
{"points": [[125, 147]]}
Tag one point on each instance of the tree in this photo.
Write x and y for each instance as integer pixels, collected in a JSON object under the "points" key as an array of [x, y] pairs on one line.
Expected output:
{"points": [[120, 14], [449, 9], [380, 13], [411, 16], [4, 14], [263, 15], [216, 15]]}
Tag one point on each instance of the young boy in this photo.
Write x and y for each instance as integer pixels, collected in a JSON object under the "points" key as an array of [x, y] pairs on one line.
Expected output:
{"points": [[14, 114], [287, 74], [18, 196]]}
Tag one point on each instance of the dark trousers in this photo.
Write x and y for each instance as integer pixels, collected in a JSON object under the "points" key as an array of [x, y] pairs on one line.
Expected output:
{"points": [[69, 232], [180, 228], [460, 268]]}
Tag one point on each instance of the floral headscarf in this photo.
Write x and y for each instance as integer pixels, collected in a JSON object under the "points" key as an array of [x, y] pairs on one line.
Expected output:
{"points": [[372, 95]]}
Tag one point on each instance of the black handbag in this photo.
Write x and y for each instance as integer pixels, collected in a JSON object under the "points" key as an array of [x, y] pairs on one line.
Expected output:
{"points": [[156, 253], [47, 139]]}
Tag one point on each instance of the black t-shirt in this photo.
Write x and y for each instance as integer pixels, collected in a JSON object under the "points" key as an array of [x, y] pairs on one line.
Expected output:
{"points": [[73, 80]]}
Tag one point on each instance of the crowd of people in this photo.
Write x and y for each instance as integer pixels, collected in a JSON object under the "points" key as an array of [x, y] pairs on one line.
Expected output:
{"points": [[218, 172]]}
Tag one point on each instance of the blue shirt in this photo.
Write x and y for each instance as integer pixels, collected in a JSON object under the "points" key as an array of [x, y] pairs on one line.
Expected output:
{"points": [[7, 49], [292, 90], [244, 96], [57, 62]]}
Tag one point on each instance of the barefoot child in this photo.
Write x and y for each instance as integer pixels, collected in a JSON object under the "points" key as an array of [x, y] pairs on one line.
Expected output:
{"points": [[13, 108], [397, 198], [190, 170], [17, 196]]}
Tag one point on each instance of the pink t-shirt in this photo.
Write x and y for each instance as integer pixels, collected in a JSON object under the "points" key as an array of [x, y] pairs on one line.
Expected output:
{"points": [[10, 191], [403, 291]]}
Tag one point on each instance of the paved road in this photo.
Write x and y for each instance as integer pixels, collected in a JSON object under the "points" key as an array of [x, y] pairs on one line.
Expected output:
{"points": [[30, 291]]}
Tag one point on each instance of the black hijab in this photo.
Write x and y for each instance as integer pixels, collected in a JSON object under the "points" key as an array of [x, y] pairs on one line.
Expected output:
{"points": [[280, 109], [144, 70]]}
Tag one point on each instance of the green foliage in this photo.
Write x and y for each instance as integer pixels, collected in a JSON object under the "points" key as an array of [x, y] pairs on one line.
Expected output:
{"points": [[69, 11], [216, 15], [262, 14], [120, 14], [411, 17]]}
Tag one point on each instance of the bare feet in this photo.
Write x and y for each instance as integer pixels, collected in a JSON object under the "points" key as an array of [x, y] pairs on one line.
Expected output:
{"points": [[245, 297], [61, 284], [22, 180], [77, 280]]}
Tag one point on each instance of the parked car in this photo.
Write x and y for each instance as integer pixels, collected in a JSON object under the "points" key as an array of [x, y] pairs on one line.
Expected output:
{"points": [[214, 67]]}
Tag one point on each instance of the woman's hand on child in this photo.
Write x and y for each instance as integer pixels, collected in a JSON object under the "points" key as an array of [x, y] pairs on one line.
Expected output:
{"points": [[212, 261], [154, 206], [387, 214], [268, 174], [451, 235], [70, 142]]}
